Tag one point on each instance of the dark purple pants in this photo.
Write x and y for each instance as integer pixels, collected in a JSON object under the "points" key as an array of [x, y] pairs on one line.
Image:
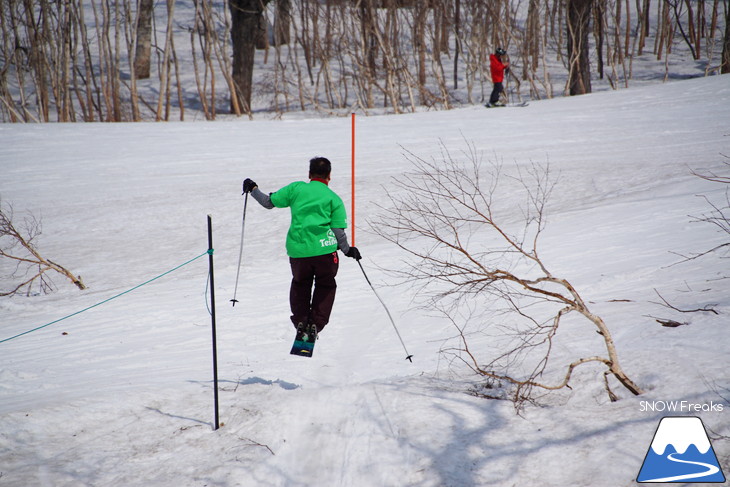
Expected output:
{"points": [[307, 306]]}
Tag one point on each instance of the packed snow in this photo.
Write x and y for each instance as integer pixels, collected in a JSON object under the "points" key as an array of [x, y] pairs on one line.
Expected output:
{"points": [[122, 394]]}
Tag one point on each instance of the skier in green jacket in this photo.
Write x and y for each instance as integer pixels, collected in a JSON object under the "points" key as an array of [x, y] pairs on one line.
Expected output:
{"points": [[317, 230]]}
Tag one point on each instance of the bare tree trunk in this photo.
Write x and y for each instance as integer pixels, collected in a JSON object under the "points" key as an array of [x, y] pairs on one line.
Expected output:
{"points": [[419, 41], [282, 23], [369, 47], [579, 15], [618, 52], [89, 74], [643, 23], [262, 36], [116, 81], [457, 41], [180, 99], [164, 95], [245, 18], [599, 18], [531, 54], [725, 66], [144, 39], [66, 111]]}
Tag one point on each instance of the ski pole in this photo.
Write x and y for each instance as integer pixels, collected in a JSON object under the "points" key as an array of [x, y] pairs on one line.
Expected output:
{"points": [[240, 252], [507, 75], [409, 357]]}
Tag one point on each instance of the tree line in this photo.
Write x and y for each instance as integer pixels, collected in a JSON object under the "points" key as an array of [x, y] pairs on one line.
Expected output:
{"points": [[129, 60]]}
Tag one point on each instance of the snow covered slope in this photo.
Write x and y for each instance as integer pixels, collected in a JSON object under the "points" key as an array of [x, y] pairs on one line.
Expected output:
{"points": [[121, 395]]}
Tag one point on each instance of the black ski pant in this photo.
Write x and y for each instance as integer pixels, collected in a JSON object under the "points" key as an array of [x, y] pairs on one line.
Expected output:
{"points": [[496, 91], [307, 306]]}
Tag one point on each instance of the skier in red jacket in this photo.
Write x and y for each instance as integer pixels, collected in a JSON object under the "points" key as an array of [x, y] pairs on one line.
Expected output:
{"points": [[498, 69]]}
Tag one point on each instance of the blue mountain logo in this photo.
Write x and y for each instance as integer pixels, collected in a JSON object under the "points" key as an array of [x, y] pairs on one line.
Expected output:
{"points": [[681, 452]]}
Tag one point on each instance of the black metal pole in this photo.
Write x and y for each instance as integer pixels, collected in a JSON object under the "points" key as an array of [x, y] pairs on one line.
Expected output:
{"points": [[212, 317]]}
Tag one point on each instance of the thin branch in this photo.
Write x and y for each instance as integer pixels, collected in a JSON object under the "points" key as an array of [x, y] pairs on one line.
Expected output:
{"points": [[706, 309]]}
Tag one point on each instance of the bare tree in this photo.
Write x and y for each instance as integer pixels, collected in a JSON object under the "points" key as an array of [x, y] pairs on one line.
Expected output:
{"points": [[579, 16], [245, 21], [18, 246], [144, 39], [282, 23], [451, 219], [168, 59], [726, 44]]}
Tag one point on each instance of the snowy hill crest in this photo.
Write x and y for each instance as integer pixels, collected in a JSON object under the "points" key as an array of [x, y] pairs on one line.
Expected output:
{"points": [[680, 432]]}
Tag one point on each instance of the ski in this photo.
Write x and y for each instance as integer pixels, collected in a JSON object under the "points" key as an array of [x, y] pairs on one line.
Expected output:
{"points": [[304, 341], [511, 105]]}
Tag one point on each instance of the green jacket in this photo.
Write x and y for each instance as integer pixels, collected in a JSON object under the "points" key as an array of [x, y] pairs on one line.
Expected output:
{"points": [[315, 211]]}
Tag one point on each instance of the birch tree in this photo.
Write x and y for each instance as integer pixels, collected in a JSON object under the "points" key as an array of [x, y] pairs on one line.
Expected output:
{"points": [[464, 249]]}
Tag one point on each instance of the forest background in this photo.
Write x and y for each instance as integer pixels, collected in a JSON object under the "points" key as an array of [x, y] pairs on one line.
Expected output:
{"points": [[131, 60]]}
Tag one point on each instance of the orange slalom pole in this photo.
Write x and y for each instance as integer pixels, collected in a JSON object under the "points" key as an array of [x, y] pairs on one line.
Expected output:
{"points": [[353, 180]]}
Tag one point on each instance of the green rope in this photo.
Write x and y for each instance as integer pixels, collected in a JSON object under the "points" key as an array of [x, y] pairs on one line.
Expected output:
{"points": [[207, 252]]}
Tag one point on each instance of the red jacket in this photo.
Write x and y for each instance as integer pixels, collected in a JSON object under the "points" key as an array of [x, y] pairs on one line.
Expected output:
{"points": [[497, 68]]}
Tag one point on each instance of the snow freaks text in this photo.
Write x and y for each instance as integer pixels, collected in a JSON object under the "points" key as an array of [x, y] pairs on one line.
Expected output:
{"points": [[680, 406]]}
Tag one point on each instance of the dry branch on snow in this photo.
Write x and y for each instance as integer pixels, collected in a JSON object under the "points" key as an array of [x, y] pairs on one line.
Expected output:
{"points": [[18, 246]]}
